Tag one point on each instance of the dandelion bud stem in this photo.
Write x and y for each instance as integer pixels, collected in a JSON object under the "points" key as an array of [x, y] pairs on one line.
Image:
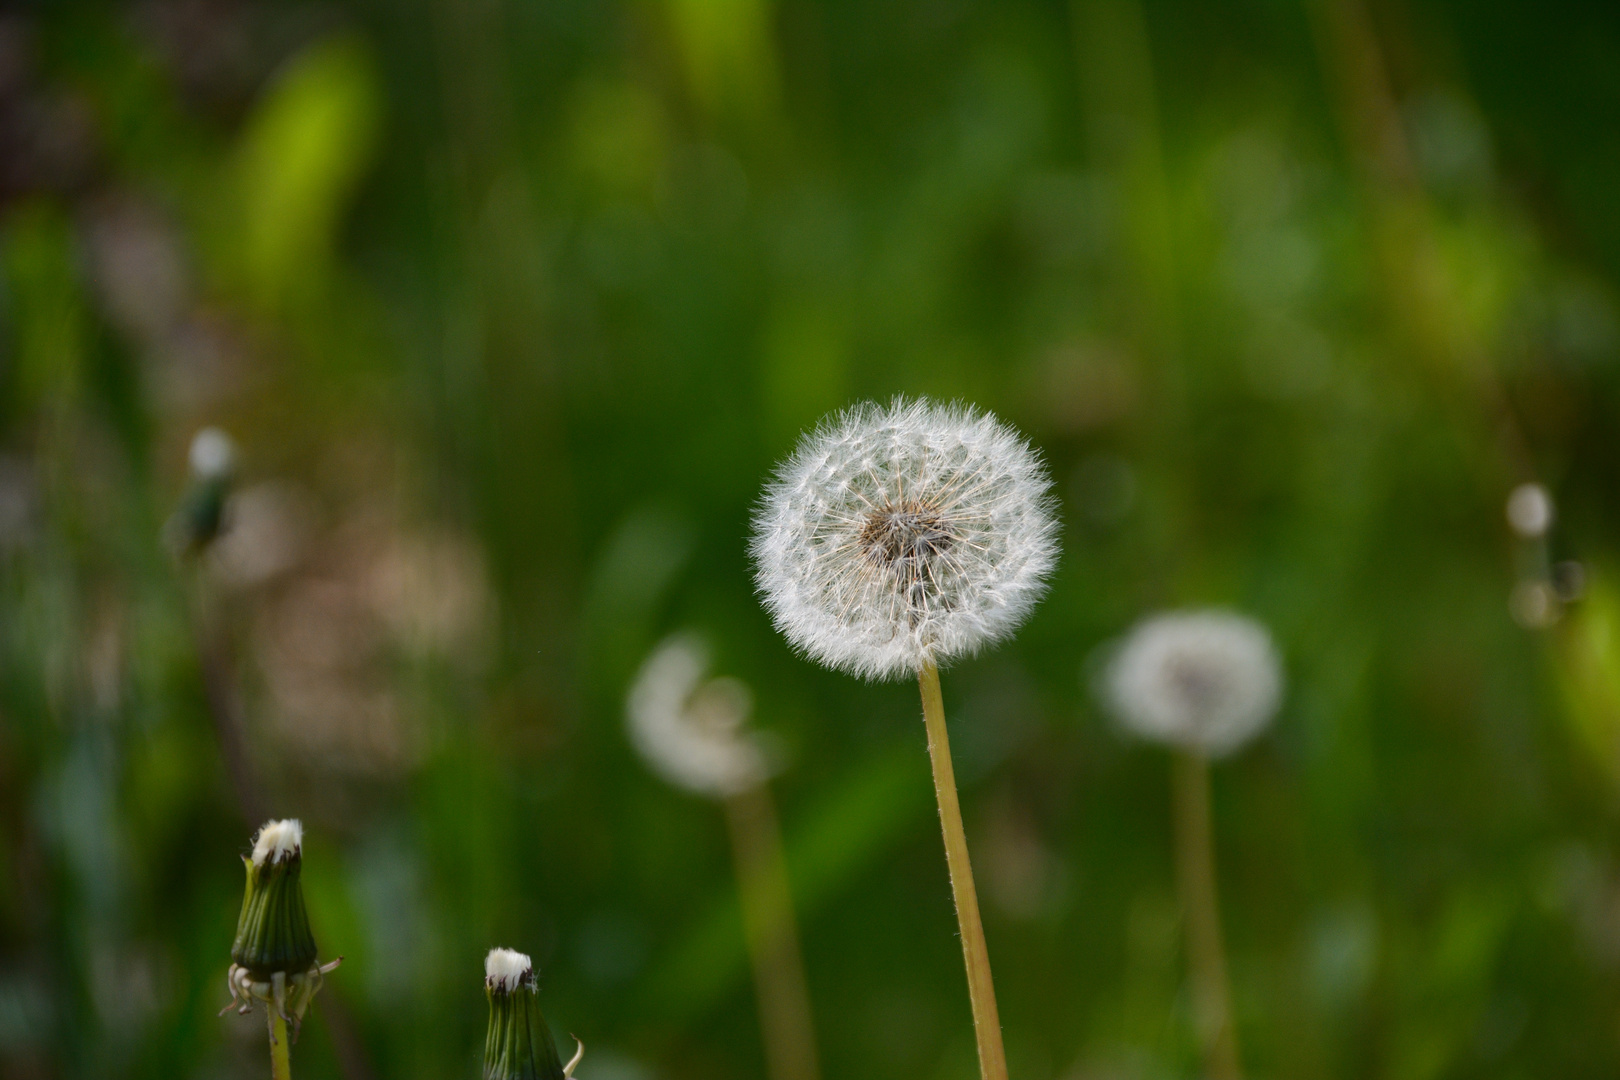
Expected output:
{"points": [[280, 1057], [273, 960], [976, 954]]}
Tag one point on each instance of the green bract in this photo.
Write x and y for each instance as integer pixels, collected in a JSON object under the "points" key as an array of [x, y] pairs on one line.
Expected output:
{"points": [[272, 934], [519, 1045]]}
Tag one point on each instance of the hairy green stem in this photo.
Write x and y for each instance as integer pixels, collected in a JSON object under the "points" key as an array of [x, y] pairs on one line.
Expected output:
{"points": [[280, 1060], [981, 989]]}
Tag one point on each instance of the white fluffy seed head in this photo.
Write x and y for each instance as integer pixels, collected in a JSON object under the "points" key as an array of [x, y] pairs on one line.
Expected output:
{"points": [[278, 840], [691, 729], [1530, 510], [213, 455], [895, 537], [507, 969], [1205, 680]]}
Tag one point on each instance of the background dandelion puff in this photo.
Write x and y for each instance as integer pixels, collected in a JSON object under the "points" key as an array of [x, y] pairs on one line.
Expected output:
{"points": [[1205, 680], [690, 729]]}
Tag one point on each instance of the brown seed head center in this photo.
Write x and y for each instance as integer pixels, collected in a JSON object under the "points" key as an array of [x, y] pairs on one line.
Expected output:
{"points": [[906, 535], [1201, 686]]}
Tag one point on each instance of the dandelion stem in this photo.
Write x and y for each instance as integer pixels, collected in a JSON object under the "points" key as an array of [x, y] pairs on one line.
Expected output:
{"points": [[280, 1060], [981, 989], [1200, 913], [773, 939]]}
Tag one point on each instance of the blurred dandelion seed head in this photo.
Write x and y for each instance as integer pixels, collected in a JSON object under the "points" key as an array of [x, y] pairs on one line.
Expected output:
{"points": [[1535, 604], [272, 525], [507, 969], [213, 455], [1530, 510], [1569, 580], [690, 729], [1206, 680], [278, 840], [899, 536]]}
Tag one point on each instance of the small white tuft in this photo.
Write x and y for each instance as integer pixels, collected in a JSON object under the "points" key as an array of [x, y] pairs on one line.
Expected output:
{"points": [[1530, 510], [900, 536], [213, 454], [689, 729], [506, 969], [1207, 680], [278, 840]]}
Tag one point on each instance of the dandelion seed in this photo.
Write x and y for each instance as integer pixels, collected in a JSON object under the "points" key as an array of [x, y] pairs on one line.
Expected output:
{"points": [[507, 969], [1205, 680], [278, 841], [691, 729], [902, 536]]}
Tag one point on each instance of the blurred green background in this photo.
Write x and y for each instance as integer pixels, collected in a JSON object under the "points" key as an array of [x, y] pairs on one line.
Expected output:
{"points": [[511, 305]]}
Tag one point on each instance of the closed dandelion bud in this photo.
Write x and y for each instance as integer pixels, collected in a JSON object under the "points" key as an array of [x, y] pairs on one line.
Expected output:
{"points": [[201, 515], [274, 959], [273, 932], [518, 1045]]}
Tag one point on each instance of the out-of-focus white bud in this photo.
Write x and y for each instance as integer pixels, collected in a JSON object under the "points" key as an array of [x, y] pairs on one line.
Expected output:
{"points": [[1530, 510], [213, 454]]}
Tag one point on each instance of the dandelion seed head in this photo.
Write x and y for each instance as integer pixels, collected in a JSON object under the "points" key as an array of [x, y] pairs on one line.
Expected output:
{"points": [[691, 729], [278, 840], [506, 969], [1206, 680], [212, 455], [902, 535]]}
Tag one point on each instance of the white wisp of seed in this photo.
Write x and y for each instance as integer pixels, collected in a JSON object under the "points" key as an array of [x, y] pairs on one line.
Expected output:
{"points": [[507, 969], [278, 840]]}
